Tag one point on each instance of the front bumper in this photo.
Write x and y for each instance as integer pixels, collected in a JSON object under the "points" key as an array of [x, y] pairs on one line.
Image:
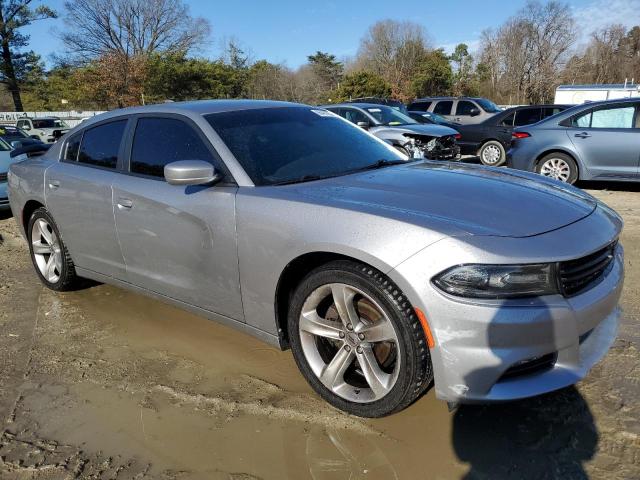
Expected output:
{"points": [[478, 341]]}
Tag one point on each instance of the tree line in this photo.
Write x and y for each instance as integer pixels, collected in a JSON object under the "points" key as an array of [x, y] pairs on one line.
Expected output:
{"points": [[121, 53]]}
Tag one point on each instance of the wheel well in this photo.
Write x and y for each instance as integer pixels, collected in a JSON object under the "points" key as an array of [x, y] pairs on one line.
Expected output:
{"points": [[557, 150], [29, 207], [290, 278]]}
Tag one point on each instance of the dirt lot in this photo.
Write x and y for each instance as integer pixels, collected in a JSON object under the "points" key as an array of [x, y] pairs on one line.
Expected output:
{"points": [[106, 384]]}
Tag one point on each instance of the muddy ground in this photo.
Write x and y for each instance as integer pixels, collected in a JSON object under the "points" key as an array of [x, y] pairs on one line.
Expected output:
{"points": [[102, 383]]}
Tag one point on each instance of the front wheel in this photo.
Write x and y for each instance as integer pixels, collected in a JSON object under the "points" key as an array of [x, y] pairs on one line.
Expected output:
{"points": [[492, 154], [558, 166], [357, 340]]}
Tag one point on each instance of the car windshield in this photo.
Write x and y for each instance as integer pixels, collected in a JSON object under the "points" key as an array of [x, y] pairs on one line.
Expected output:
{"points": [[488, 105], [12, 133], [389, 116], [296, 144], [49, 123]]}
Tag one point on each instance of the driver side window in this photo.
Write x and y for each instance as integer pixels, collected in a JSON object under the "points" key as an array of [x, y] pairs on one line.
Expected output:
{"points": [[355, 116]]}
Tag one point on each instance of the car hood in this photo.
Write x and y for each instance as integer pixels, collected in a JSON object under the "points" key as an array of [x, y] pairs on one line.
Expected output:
{"points": [[432, 130], [456, 199]]}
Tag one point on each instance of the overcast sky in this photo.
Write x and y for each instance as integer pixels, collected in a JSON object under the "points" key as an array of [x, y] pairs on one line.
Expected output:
{"points": [[289, 30]]}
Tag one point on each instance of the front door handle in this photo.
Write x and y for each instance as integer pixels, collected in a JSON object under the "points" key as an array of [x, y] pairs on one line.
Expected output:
{"points": [[53, 184], [124, 203], [582, 135]]}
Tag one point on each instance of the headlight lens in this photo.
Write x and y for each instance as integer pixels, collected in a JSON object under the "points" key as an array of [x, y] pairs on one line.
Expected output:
{"points": [[498, 281]]}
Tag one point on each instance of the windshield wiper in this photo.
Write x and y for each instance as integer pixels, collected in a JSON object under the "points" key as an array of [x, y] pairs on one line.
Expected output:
{"points": [[304, 178], [380, 164]]}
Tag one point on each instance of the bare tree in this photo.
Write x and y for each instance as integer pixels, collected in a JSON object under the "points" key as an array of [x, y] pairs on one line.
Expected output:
{"points": [[394, 50], [131, 27], [524, 58]]}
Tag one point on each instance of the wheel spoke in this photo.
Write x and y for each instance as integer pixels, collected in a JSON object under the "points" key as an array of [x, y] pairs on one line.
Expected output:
{"points": [[49, 272], [376, 378], [40, 248], [43, 229], [381, 331], [313, 323], [333, 372], [343, 298]]}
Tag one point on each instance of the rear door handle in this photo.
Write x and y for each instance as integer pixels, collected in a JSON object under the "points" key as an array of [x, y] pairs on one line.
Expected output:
{"points": [[53, 184], [124, 203], [582, 135]]}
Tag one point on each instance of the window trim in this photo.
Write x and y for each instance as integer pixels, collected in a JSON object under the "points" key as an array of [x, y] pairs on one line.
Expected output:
{"points": [[219, 164], [82, 131]]}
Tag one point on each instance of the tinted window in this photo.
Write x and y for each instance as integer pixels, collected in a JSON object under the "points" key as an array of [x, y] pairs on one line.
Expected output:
{"points": [[159, 141], [420, 106], [549, 111], [508, 120], [23, 124], [615, 117], [443, 108], [354, 116], [286, 144], [100, 144], [72, 148], [49, 123], [464, 107], [527, 116]]}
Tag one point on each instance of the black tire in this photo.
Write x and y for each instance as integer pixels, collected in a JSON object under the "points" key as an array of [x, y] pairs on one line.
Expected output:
{"points": [[415, 371], [569, 161], [68, 280], [488, 146]]}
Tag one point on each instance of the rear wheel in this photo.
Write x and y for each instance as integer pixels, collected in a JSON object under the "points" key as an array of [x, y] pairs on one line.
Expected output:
{"points": [[49, 254], [357, 340], [492, 153], [558, 166]]}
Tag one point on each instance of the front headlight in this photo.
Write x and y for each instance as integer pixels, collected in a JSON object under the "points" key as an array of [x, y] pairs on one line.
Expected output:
{"points": [[498, 281]]}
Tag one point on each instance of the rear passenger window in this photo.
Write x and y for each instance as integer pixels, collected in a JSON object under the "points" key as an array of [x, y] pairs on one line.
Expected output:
{"points": [[464, 107], [73, 147], [508, 120], [527, 116], [159, 141], [100, 145], [443, 108]]}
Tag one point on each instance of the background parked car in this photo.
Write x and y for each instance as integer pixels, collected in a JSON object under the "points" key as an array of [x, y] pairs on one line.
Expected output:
{"points": [[5, 161], [47, 129], [598, 140], [432, 118], [457, 109], [389, 102], [491, 139], [16, 137], [403, 132]]}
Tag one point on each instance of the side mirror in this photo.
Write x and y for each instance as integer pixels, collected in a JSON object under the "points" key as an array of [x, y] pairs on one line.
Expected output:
{"points": [[190, 172], [474, 112], [16, 144], [364, 125], [26, 127]]}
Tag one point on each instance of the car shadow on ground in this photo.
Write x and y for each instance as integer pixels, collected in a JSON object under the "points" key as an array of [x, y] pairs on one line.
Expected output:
{"points": [[5, 214], [550, 436]]}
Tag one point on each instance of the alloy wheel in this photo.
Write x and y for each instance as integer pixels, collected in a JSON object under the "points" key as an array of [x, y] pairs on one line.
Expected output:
{"points": [[349, 342], [556, 168], [47, 251]]}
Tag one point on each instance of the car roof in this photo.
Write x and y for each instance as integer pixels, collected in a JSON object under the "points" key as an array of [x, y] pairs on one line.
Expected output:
{"points": [[198, 107], [355, 105]]}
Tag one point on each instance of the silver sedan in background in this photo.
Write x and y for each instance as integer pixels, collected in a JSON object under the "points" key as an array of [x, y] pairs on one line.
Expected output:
{"points": [[383, 275]]}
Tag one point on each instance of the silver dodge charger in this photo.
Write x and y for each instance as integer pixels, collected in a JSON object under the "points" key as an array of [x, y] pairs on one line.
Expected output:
{"points": [[384, 275]]}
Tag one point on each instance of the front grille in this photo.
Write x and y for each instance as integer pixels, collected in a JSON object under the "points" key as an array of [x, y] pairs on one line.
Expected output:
{"points": [[578, 275], [3, 177], [531, 366]]}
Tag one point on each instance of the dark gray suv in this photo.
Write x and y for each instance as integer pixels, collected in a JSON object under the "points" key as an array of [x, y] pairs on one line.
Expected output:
{"points": [[593, 141], [465, 110]]}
